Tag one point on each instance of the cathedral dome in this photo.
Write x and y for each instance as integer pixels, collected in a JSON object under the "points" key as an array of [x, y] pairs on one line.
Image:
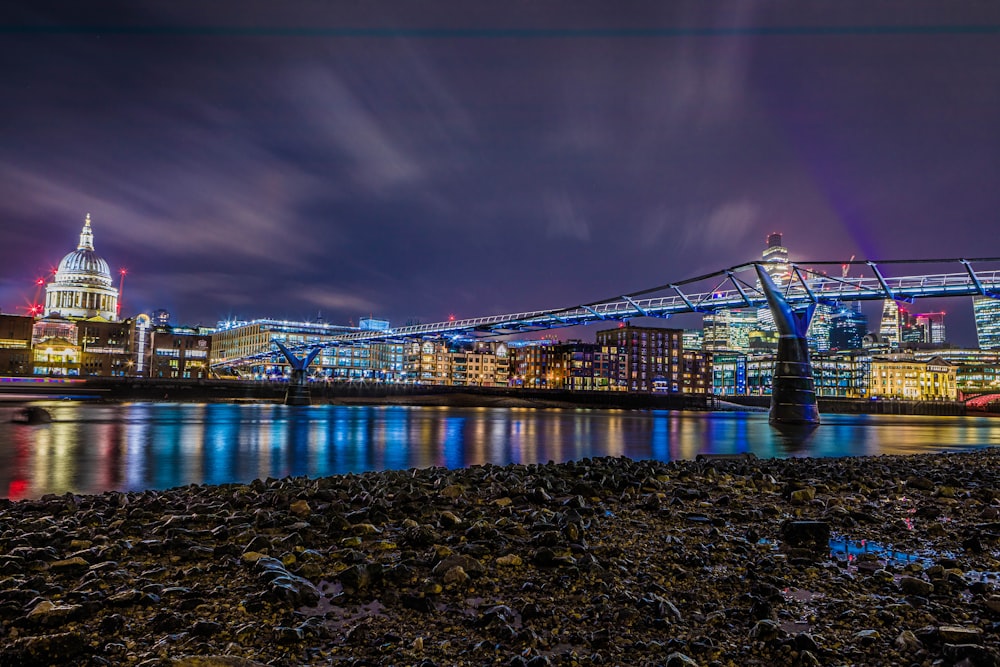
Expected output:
{"points": [[83, 286], [83, 264]]}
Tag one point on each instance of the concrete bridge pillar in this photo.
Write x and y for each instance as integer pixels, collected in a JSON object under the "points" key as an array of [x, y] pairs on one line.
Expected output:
{"points": [[793, 392], [298, 384]]}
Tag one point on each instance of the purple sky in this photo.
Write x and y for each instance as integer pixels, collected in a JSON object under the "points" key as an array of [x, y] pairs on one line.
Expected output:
{"points": [[414, 160]]}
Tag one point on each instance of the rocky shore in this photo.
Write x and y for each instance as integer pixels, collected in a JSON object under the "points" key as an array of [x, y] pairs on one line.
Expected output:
{"points": [[597, 562]]}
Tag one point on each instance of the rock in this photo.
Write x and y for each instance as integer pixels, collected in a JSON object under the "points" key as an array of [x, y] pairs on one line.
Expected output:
{"points": [[812, 535], [452, 491], [215, 661], [676, 659], [915, 586], [970, 653], [69, 564], [300, 508], [55, 649], [921, 483], [456, 575], [510, 560], [803, 496], [449, 520], [47, 613], [469, 565], [867, 637], [765, 630], [954, 634], [907, 642]]}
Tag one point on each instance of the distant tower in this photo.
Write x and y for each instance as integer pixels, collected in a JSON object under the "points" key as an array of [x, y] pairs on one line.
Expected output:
{"points": [[776, 257], [932, 327], [890, 329], [987, 312], [82, 287]]}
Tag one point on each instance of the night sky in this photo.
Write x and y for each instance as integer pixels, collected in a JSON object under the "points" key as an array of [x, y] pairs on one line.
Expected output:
{"points": [[415, 160]]}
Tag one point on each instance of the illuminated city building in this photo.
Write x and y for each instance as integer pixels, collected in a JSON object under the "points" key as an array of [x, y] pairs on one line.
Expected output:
{"points": [[234, 341], [693, 339], [729, 374], [537, 364], [931, 327], [987, 313], [82, 287], [428, 362], [55, 346], [903, 376], [643, 359], [486, 364], [548, 364], [891, 327], [15, 344], [696, 372], [775, 255], [176, 353], [818, 335], [106, 347], [848, 327], [729, 329]]}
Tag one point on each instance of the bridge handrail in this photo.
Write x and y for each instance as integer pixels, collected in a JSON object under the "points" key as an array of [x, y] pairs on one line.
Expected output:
{"points": [[797, 291]]}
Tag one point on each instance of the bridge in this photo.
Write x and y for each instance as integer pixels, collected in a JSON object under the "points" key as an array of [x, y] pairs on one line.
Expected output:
{"points": [[802, 286]]}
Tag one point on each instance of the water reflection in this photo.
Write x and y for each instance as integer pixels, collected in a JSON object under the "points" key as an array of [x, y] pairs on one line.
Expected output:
{"points": [[90, 448]]}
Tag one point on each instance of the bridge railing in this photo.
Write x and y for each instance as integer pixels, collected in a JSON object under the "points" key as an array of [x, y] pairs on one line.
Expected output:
{"points": [[802, 284]]}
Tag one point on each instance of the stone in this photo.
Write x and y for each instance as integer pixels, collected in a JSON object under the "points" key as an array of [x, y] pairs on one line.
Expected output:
{"points": [[677, 659], [812, 535], [907, 642], [803, 496], [915, 586], [955, 634], [455, 575], [509, 560], [300, 508]]}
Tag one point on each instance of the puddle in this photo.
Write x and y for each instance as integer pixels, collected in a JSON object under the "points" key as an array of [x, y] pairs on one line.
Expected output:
{"points": [[843, 549]]}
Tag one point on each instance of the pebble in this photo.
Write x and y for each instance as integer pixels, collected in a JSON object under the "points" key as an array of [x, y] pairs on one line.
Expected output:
{"points": [[600, 561]]}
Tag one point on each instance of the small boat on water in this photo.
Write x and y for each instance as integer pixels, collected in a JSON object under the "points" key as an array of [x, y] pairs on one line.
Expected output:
{"points": [[31, 414]]}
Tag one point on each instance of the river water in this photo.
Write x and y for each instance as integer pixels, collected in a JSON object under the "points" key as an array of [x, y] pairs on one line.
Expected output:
{"points": [[92, 448]]}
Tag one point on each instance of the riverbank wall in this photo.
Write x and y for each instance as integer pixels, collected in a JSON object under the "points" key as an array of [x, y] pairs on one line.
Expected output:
{"points": [[363, 393]]}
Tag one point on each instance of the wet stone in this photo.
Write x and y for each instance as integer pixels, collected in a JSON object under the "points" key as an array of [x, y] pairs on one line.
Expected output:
{"points": [[811, 535]]}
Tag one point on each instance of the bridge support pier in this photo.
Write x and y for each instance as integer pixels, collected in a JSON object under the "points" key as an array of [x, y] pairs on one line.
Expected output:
{"points": [[298, 384], [793, 392]]}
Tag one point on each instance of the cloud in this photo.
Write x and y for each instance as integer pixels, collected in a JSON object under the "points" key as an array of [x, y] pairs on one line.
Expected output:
{"points": [[321, 297], [724, 227], [564, 220]]}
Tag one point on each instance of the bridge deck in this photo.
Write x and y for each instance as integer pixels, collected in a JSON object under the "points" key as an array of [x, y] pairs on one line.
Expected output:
{"points": [[805, 284]]}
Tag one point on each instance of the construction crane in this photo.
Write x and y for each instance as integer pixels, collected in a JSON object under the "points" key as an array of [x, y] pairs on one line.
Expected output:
{"points": [[846, 267]]}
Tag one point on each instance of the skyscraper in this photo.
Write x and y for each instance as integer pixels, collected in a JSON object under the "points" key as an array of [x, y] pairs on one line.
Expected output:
{"points": [[987, 313], [849, 326], [890, 329], [776, 257], [932, 327]]}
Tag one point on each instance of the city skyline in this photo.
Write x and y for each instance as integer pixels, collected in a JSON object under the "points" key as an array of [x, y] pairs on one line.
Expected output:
{"points": [[430, 164]]}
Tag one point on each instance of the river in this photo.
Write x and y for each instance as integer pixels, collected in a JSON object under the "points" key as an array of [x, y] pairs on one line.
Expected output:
{"points": [[92, 448]]}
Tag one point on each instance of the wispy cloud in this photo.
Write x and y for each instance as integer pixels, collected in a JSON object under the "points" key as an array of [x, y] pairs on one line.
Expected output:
{"points": [[564, 218]]}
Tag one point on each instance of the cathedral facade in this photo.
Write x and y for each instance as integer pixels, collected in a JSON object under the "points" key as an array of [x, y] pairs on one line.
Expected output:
{"points": [[82, 288]]}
